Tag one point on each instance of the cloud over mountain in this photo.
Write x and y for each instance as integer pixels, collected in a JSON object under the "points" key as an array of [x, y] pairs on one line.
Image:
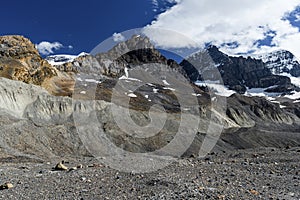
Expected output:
{"points": [[249, 26]]}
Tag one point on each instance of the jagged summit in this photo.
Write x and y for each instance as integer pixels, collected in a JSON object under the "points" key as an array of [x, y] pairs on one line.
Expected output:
{"points": [[136, 42], [137, 50], [218, 56]]}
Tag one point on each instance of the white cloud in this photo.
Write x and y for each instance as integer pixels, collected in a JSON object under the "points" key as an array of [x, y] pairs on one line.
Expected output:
{"points": [[118, 37], [47, 48], [160, 5], [155, 3], [231, 21]]}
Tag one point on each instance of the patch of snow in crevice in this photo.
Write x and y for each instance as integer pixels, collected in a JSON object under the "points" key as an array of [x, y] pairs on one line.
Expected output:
{"points": [[126, 72], [132, 95], [168, 88], [155, 90], [129, 79], [277, 102], [196, 95], [165, 82], [216, 87], [294, 96], [294, 80], [92, 81], [260, 92]]}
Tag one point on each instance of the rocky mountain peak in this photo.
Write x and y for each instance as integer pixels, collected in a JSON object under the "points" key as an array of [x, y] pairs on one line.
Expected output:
{"points": [[139, 42], [135, 43], [281, 61], [217, 56], [16, 46], [135, 51], [20, 60]]}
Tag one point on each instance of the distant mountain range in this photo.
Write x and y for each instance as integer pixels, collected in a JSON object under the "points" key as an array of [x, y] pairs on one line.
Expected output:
{"points": [[274, 73]]}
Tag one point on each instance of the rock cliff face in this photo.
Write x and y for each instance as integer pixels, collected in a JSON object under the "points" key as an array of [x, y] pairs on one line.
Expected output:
{"points": [[19, 60]]}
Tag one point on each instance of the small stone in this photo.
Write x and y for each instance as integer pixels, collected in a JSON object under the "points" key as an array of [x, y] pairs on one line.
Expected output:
{"points": [[73, 168], [245, 163], [6, 186], [207, 159], [232, 174], [60, 166], [80, 166], [201, 188], [254, 192], [291, 194], [96, 165], [272, 172]]}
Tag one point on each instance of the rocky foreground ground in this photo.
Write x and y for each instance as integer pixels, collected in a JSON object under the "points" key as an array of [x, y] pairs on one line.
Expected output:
{"points": [[267, 173]]}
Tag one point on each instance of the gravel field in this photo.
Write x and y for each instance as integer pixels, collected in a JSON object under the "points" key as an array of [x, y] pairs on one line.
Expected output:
{"points": [[266, 173]]}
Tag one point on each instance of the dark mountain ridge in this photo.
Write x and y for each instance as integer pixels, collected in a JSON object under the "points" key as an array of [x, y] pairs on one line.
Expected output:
{"points": [[238, 73]]}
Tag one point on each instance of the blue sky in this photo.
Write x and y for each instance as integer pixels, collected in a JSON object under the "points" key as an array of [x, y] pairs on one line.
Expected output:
{"points": [[253, 26], [82, 25]]}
